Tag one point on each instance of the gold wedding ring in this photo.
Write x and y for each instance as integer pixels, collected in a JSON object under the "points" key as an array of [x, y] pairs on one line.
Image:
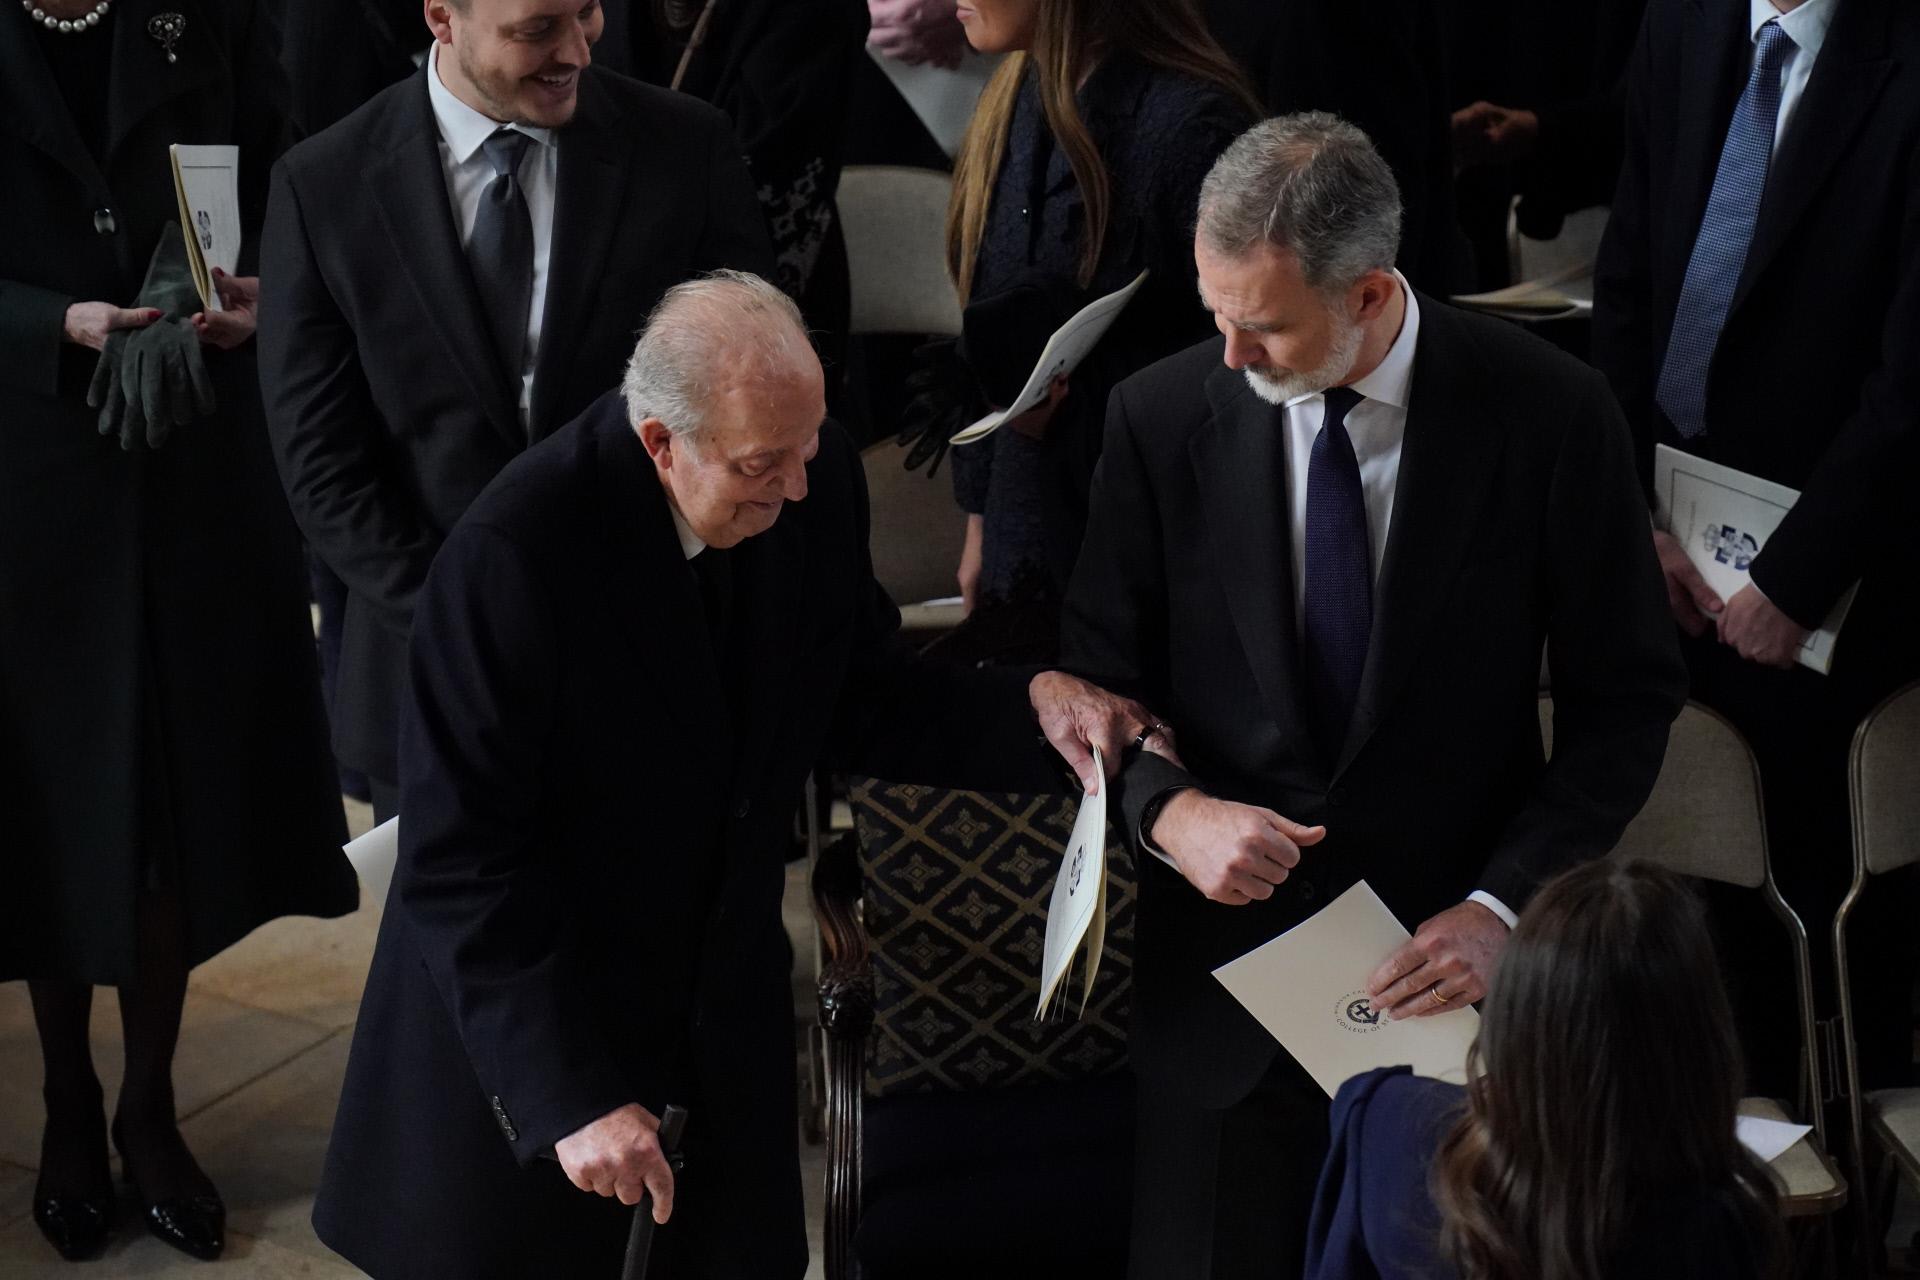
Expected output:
{"points": [[1435, 989]]}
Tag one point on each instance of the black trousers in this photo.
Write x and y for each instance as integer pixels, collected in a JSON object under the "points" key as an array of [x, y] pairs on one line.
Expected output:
{"points": [[1225, 1194]]}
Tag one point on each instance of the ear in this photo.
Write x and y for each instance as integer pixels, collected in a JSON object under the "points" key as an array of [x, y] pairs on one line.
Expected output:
{"points": [[439, 15], [658, 442], [1370, 294]]}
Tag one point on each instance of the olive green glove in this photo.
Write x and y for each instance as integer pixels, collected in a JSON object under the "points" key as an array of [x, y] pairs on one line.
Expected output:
{"points": [[151, 380]]}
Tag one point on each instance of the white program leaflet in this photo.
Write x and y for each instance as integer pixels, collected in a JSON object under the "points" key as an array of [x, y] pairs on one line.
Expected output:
{"points": [[1768, 1139], [1308, 988], [373, 857], [942, 97], [206, 183], [1723, 518], [1078, 908], [1063, 353]]}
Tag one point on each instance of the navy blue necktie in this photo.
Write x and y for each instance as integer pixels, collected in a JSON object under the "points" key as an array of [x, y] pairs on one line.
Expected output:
{"points": [[1726, 231], [1337, 615], [501, 251]]}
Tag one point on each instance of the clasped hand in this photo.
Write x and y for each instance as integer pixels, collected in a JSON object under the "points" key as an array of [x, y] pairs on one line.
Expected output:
{"points": [[619, 1155], [1749, 624]]}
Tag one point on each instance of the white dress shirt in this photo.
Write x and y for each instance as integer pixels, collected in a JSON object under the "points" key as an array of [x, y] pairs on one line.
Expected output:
{"points": [[468, 171], [1806, 25], [690, 544], [1377, 426]]}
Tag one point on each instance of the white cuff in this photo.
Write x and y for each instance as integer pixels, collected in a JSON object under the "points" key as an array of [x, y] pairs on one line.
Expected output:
{"points": [[1494, 905]]}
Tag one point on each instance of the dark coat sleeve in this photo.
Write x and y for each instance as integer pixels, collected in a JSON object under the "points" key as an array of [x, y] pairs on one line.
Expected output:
{"points": [[1618, 679], [1113, 627], [1856, 500], [476, 881], [325, 428], [33, 324]]}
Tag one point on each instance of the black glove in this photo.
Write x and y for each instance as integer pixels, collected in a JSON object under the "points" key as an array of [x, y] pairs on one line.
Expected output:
{"points": [[944, 399], [149, 381]]}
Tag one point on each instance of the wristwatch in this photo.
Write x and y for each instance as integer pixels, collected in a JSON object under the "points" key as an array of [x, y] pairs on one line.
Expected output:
{"points": [[1151, 814]]}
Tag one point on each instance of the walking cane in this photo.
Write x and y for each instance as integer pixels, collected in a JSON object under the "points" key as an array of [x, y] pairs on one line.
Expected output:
{"points": [[673, 1124]]}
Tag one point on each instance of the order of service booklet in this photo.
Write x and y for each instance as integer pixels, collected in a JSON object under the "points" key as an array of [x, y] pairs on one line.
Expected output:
{"points": [[1308, 988], [1069, 345], [206, 185], [1078, 909], [1723, 519]]}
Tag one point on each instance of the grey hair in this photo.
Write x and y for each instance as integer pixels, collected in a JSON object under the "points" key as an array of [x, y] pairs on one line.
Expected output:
{"points": [[1310, 184], [720, 326]]}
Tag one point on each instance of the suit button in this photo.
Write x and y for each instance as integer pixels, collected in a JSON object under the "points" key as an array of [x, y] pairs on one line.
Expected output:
{"points": [[1308, 893], [741, 808], [103, 222]]}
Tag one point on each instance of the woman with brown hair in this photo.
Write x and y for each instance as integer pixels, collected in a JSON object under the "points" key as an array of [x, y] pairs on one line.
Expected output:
{"points": [[1081, 169], [1599, 1142]]}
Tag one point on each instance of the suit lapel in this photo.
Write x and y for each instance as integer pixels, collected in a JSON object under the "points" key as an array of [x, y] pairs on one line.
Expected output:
{"points": [[1713, 72], [653, 592], [143, 79], [1447, 461], [590, 187], [1239, 462], [1846, 80], [410, 190], [31, 106]]}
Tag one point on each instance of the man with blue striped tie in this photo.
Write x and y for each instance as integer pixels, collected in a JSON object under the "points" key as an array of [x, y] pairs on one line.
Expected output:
{"points": [[1758, 304]]}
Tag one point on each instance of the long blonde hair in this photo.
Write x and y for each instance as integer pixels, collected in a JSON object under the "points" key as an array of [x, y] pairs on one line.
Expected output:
{"points": [[1069, 37]]}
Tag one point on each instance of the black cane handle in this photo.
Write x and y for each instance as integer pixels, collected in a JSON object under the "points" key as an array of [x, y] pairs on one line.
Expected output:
{"points": [[673, 1125]]}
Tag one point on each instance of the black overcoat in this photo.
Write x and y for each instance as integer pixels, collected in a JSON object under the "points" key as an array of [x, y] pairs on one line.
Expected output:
{"points": [[586, 911], [153, 627]]}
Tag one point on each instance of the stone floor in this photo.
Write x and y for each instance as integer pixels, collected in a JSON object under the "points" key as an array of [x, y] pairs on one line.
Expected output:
{"points": [[262, 1049]]}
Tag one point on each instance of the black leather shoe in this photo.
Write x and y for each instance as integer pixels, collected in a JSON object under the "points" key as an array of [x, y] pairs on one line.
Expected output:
{"points": [[193, 1224], [76, 1225]]}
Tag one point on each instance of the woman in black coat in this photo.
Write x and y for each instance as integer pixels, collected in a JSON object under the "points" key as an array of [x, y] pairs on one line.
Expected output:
{"points": [[163, 763], [1081, 169]]}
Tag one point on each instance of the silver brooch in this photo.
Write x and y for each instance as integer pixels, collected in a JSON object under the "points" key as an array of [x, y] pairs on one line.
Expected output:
{"points": [[166, 30]]}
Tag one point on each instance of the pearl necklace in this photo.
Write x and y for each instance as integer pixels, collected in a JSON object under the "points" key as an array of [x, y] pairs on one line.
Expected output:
{"points": [[65, 26]]}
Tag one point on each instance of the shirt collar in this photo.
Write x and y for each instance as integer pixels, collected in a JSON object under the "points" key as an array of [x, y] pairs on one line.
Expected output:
{"points": [[690, 544], [1391, 381], [1806, 25], [461, 127]]}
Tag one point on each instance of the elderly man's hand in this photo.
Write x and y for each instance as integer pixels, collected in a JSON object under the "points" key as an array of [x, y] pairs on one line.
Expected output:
{"points": [[916, 31], [1689, 598], [1755, 629], [1232, 853], [1077, 717], [619, 1155], [1447, 964]]}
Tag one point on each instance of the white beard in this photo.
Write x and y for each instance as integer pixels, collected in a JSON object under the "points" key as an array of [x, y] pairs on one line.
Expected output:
{"points": [[1347, 340]]}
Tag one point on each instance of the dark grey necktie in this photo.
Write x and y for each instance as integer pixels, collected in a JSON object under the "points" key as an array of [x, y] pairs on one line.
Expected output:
{"points": [[501, 251]]}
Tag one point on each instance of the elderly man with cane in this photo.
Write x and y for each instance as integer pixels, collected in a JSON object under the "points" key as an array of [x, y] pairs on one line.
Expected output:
{"points": [[626, 658]]}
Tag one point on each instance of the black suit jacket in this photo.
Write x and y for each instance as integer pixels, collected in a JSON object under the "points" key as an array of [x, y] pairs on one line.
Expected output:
{"points": [[388, 409], [1516, 523], [1381, 64], [1814, 382], [587, 907]]}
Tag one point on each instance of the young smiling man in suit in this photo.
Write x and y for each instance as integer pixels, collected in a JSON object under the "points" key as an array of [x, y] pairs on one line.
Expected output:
{"points": [[1329, 546], [451, 273]]}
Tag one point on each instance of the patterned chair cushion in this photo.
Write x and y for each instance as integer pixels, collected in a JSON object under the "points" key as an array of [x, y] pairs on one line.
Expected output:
{"points": [[955, 886]]}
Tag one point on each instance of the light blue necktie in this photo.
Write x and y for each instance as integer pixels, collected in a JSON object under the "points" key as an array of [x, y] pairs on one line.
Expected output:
{"points": [[1720, 250]]}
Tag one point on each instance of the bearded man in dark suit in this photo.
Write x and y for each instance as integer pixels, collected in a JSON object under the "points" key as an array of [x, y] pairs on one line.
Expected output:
{"points": [[1329, 547]]}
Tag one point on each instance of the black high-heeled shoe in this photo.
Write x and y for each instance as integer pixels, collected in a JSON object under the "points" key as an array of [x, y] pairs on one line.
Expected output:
{"points": [[75, 1223], [76, 1220], [195, 1224]]}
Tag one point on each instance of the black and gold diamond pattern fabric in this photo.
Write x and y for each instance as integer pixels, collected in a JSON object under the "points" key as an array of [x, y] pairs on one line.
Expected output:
{"points": [[955, 891]]}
